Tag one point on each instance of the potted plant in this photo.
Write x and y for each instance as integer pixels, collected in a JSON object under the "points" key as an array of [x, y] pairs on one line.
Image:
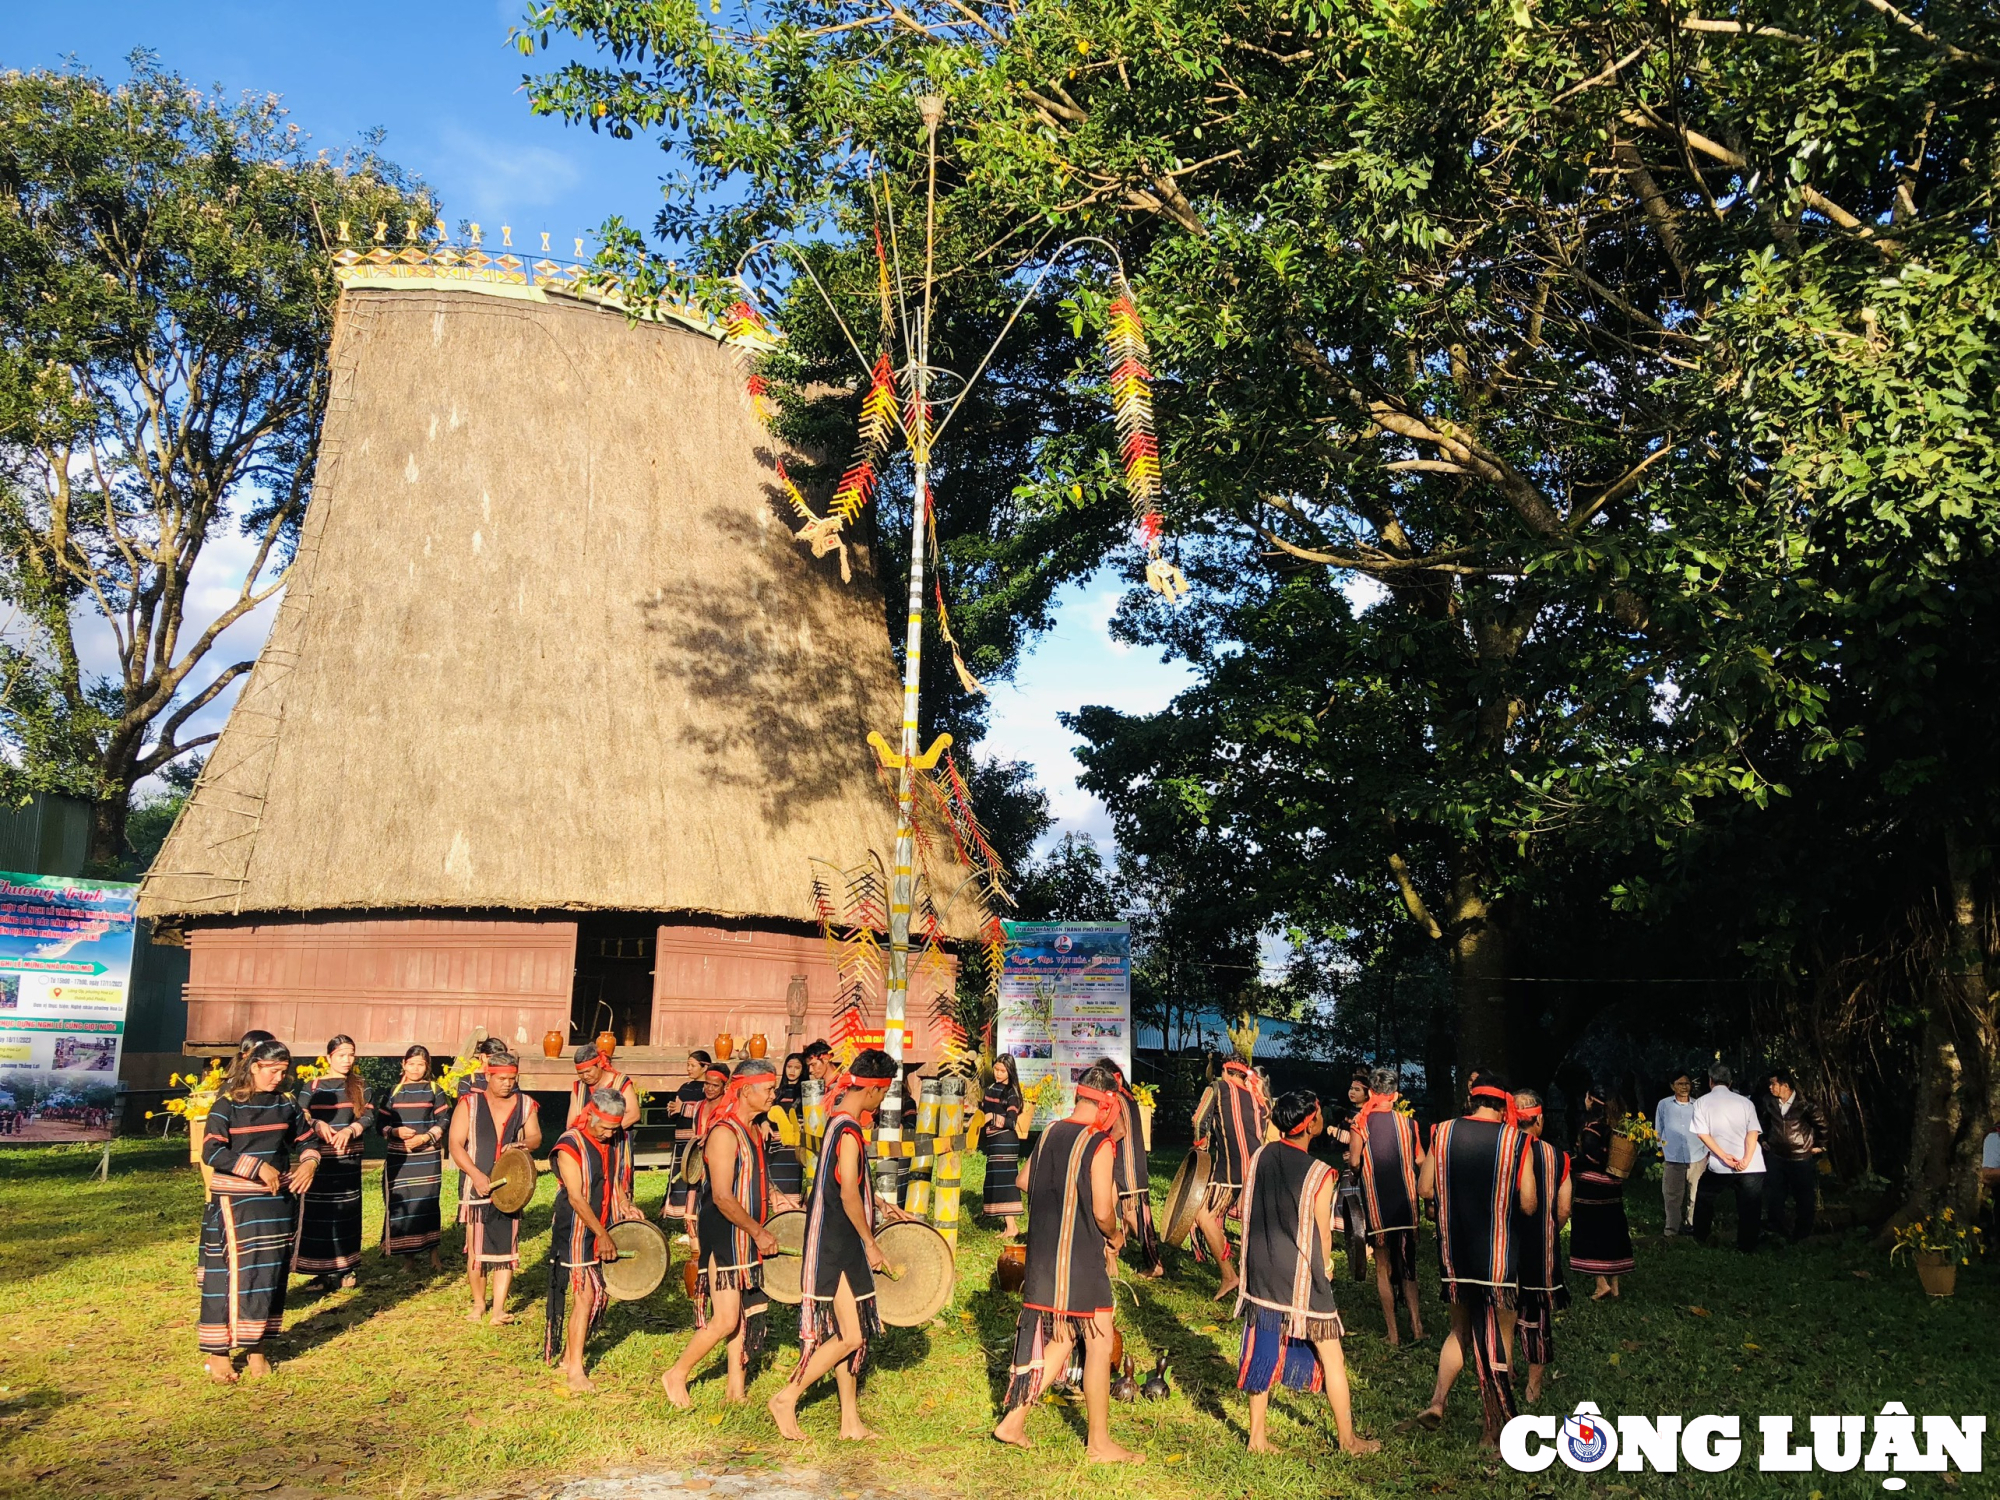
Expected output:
{"points": [[1938, 1244], [193, 1106], [1148, 1095]]}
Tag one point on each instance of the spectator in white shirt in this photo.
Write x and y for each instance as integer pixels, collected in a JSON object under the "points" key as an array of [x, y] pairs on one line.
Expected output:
{"points": [[1726, 1123], [1989, 1169], [1681, 1155]]}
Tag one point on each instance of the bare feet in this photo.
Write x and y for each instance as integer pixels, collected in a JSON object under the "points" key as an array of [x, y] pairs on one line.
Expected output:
{"points": [[1013, 1434], [1263, 1445], [1227, 1289], [1156, 1273], [1534, 1392], [1395, 1341], [578, 1381], [255, 1366], [675, 1385], [1417, 1333], [349, 1282], [1431, 1418], [500, 1319], [1360, 1445], [220, 1370], [784, 1410], [475, 1315], [858, 1434], [1109, 1452]]}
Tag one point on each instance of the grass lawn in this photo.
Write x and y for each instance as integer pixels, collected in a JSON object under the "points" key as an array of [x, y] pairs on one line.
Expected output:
{"points": [[102, 1393]]}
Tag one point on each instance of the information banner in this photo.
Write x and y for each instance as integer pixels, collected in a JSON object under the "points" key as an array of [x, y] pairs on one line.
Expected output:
{"points": [[65, 973], [1065, 1001]]}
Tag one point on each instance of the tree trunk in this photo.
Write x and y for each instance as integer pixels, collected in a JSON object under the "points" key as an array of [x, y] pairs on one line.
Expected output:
{"points": [[107, 830], [1478, 974]]}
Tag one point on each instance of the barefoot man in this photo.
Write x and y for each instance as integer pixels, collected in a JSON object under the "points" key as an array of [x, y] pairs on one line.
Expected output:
{"points": [[1479, 1171], [1132, 1176], [586, 1160], [838, 1320], [1073, 1235], [1382, 1143], [483, 1123], [1231, 1119], [735, 1199], [1544, 1279], [250, 1224], [595, 1070], [1291, 1327]]}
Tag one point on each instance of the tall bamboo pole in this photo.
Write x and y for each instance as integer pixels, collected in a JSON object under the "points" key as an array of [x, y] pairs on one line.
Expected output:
{"points": [[902, 889]]}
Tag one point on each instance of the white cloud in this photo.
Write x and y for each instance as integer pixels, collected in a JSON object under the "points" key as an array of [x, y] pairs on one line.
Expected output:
{"points": [[490, 179]]}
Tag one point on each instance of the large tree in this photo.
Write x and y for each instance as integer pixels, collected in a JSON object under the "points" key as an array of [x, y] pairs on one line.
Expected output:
{"points": [[166, 301], [1512, 363]]}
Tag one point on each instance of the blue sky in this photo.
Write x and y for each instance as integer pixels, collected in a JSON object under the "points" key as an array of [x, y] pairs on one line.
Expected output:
{"points": [[442, 80]]}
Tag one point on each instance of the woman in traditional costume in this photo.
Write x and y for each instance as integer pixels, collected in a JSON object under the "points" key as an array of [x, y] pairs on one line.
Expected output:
{"points": [[261, 1151], [330, 1235], [1600, 1240], [412, 1119], [1000, 1139]]}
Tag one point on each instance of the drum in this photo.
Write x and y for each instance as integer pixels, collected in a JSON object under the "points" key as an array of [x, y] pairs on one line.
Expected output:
{"points": [[921, 1274], [512, 1180], [782, 1271], [1011, 1274], [1186, 1196], [642, 1261]]}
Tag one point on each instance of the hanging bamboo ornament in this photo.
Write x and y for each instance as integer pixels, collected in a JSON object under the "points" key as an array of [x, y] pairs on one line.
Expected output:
{"points": [[1132, 403]]}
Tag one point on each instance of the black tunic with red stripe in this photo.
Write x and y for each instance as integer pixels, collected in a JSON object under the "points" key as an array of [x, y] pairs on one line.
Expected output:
{"points": [[1234, 1124], [1066, 1276], [728, 1256], [1478, 1164], [491, 1237], [1538, 1255], [1284, 1253], [1389, 1171]]}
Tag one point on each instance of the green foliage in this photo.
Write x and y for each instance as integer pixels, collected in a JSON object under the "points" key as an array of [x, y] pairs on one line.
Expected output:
{"points": [[165, 305]]}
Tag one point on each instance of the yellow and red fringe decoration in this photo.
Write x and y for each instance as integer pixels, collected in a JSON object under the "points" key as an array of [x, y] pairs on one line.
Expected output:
{"points": [[1132, 402]]}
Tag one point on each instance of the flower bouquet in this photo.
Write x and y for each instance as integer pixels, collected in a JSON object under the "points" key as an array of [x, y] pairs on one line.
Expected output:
{"points": [[1939, 1245]]}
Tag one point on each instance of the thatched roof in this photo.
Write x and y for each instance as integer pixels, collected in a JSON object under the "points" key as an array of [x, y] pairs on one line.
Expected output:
{"points": [[548, 642]]}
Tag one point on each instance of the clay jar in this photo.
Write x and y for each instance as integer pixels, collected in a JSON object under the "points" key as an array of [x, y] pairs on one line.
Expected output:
{"points": [[757, 1046], [552, 1044], [606, 1043], [724, 1045]]}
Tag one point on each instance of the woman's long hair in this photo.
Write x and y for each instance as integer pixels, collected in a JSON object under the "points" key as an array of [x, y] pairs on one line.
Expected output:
{"points": [[356, 1091], [1600, 1107], [240, 1086], [237, 1082], [419, 1050], [790, 1089], [1011, 1090]]}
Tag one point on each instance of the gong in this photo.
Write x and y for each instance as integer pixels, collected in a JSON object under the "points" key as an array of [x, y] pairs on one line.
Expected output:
{"points": [[784, 1271], [642, 1261], [511, 1183], [920, 1277], [1186, 1196]]}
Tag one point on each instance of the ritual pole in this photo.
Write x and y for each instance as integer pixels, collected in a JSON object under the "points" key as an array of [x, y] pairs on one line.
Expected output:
{"points": [[902, 889]]}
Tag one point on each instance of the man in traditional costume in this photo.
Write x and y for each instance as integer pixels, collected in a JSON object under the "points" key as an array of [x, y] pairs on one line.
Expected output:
{"points": [[596, 1070], [1229, 1121], [586, 1162], [735, 1199], [1291, 1327], [1384, 1148], [1130, 1173], [1074, 1234], [1479, 1172], [1542, 1279], [837, 1319], [482, 1125], [250, 1225]]}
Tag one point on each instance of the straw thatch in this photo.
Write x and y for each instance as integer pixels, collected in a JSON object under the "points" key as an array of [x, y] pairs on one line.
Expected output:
{"points": [[548, 642]]}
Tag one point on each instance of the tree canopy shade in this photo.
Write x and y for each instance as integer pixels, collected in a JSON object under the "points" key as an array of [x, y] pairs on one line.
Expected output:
{"points": [[166, 298], [1576, 412]]}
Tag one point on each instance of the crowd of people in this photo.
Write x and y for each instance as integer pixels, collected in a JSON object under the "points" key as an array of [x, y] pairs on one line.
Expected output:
{"points": [[1286, 1173]]}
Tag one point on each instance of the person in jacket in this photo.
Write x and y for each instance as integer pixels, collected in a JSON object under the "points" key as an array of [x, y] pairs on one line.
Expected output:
{"points": [[1794, 1139]]}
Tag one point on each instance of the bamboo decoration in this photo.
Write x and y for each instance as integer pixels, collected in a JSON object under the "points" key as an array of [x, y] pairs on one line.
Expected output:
{"points": [[1132, 402]]}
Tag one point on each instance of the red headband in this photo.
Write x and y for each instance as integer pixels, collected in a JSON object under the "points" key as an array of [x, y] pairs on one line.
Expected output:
{"points": [[1099, 1098], [1527, 1111], [583, 1116], [501, 1070], [1487, 1091], [595, 1060], [1301, 1127]]}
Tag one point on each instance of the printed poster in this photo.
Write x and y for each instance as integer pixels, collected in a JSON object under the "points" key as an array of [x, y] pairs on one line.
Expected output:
{"points": [[65, 974], [1065, 1000]]}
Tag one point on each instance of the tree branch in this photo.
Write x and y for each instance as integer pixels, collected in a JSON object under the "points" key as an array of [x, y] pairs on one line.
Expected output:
{"points": [[1413, 900]]}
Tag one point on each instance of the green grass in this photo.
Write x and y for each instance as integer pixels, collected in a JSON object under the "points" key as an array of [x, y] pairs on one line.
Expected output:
{"points": [[102, 1394]]}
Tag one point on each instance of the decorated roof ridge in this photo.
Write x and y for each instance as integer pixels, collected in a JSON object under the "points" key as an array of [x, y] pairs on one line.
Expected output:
{"points": [[471, 266]]}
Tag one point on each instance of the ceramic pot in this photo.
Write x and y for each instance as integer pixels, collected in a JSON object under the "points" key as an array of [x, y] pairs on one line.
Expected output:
{"points": [[607, 1043], [552, 1044], [724, 1045], [1938, 1272], [757, 1046]]}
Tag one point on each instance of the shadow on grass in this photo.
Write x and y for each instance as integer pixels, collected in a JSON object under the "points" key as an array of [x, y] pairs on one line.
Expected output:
{"points": [[23, 1412]]}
